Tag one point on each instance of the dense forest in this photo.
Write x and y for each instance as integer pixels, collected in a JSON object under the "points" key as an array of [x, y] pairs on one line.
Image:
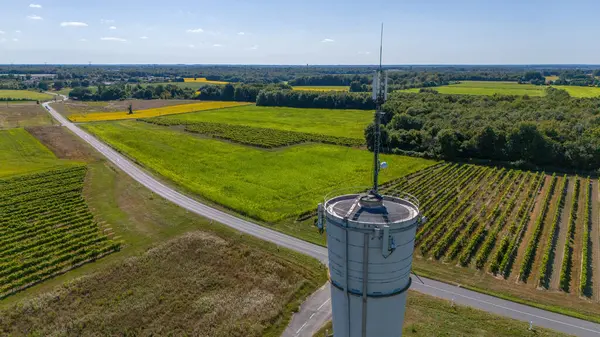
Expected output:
{"points": [[555, 130], [315, 99]]}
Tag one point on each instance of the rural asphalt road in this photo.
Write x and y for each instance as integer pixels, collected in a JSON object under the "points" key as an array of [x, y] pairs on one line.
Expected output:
{"points": [[317, 309]]}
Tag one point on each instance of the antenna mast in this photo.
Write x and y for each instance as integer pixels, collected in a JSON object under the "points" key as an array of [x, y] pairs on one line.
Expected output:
{"points": [[379, 96]]}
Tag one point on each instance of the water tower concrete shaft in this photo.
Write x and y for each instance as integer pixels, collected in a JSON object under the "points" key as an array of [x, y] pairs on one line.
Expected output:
{"points": [[370, 241]]}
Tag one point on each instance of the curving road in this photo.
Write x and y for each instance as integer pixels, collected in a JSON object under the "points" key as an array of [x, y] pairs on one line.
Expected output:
{"points": [[317, 309]]}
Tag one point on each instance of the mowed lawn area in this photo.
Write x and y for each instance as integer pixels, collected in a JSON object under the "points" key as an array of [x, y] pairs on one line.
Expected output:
{"points": [[508, 88], [21, 153], [341, 123], [24, 95], [268, 185]]}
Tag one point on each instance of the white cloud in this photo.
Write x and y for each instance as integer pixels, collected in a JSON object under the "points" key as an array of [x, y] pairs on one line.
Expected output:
{"points": [[112, 27], [144, 37], [327, 40], [16, 40], [83, 40], [35, 6], [197, 30], [191, 46], [118, 39], [364, 53], [217, 45], [2, 40], [255, 47], [18, 31], [2, 32], [241, 33], [106, 22], [73, 24], [34, 17]]}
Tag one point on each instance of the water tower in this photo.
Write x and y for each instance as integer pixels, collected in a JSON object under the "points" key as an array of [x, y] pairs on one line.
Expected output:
{"points": [[370, 241]]}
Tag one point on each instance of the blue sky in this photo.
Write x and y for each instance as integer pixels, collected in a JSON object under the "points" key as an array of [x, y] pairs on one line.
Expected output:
{"points": [[299, 32]]}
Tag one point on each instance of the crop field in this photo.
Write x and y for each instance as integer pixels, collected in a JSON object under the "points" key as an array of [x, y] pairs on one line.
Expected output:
{"points": [[83, 108], [508, 88], [21, 153], [24, 95], [182, 85], [339, 123], [488, 88], [168, 110], [249, 135], [267, 185], [526, 231], [581, 92], [23, 114], [46, 228], [203, 80], [321, 88], [551, 78]]}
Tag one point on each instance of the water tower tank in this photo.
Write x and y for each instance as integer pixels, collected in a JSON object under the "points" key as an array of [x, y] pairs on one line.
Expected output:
{"points": [[370, 240]]}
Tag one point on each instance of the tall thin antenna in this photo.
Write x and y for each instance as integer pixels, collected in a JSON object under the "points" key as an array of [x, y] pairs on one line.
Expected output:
{"points": [[381, 47], [379, 96]]}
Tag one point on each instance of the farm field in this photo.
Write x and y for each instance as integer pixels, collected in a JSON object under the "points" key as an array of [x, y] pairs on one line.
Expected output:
{"points": [[488, 88], [46, 228], [202, 80], [182, 85], [198, 284], [24, 95], [166, 110], [22, 153], [508, 88], [339, 123], [521, 235], [321, 88], [428, 316], [581, 92], [83, 108], [23, 114], [254, 136], [268, 185]]}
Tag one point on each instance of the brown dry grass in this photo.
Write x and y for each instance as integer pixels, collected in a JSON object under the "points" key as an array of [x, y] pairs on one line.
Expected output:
{"points": [[200, 284], [63, 143], [13, 115]]}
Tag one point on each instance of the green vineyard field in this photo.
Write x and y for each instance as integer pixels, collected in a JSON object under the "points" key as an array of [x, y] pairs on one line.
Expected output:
{"points": [[46, 228]]}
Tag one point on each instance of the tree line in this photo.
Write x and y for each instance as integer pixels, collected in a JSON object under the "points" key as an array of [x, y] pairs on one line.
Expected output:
{"points": [[555, 130]]}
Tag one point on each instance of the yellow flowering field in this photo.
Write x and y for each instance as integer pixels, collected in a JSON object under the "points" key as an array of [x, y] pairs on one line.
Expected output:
{"points": [[202, 80], [167, 110]]}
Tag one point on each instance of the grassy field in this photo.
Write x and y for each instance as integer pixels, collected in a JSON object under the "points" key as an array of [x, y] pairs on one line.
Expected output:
{"points": [[23, 114], [581, 92], [199, 284], [21, 153], [321, 88], [508, 88], [429, 316], [167, 110], [340, 123], [489, 88], [264, 184], [141, 220], [202, 80], [25, 94]]}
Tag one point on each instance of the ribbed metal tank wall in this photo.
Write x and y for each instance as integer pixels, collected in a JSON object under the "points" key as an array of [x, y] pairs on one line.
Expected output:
{"points": [[376, 242]]}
